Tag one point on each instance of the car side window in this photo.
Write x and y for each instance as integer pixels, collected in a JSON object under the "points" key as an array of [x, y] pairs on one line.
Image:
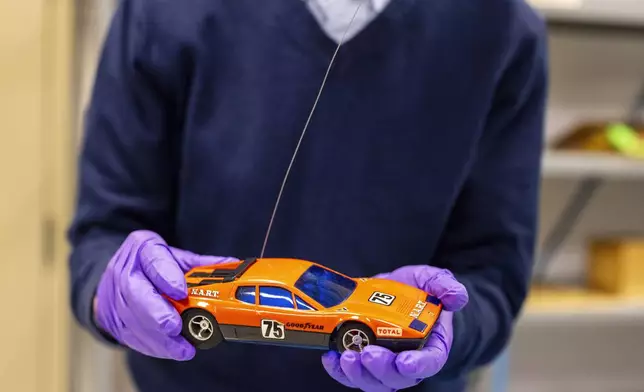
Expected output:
{"points": [[275, 296], [302, 305], [246, 294]]}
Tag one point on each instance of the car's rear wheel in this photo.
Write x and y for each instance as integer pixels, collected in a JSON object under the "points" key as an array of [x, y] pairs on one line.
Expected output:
{"points": [[201, 329], [354, 336]]}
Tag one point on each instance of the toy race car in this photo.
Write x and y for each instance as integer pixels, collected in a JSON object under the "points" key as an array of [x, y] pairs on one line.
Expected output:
{"points": [[299, 303]]}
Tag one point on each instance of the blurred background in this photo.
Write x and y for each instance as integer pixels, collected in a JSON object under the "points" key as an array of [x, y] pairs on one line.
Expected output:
{"points": [[583, 326]]}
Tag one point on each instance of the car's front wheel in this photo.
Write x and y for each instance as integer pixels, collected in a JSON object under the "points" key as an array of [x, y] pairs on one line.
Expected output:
{"points": [[201, 329], [354, 336]]}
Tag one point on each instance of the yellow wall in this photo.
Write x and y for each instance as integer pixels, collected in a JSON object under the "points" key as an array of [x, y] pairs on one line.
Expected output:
{"points": [[36, 171]]}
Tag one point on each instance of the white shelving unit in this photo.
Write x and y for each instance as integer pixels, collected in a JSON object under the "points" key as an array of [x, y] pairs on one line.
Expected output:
{"points": [[576, 340]]}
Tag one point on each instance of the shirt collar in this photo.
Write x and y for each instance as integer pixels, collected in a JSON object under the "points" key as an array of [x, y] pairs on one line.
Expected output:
{"points": [[375, 5], [379, 5]]}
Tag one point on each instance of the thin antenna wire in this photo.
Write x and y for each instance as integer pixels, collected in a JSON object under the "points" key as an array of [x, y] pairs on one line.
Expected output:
{"points": [[306, 126]]}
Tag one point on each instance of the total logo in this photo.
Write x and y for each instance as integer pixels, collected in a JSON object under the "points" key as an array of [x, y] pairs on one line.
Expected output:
{"points": [[205, 293], [387, 331], [418, 309]]}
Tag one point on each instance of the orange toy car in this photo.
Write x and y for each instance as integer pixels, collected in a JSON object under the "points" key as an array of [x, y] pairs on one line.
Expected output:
{"points": [[299, 303]]}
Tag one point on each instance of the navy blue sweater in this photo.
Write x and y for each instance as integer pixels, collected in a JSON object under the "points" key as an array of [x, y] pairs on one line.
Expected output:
{"points": [[424, 149]]}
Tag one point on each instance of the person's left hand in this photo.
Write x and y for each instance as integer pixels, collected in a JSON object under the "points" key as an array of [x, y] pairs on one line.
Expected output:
{"points": [[377, 369]]}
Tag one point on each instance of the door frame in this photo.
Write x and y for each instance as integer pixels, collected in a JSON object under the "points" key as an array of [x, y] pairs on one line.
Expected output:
{"points": [[58, 181], [97, 367]]}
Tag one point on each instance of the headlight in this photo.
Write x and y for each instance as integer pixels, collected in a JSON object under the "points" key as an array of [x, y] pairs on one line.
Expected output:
{"points": [[418, 325]]}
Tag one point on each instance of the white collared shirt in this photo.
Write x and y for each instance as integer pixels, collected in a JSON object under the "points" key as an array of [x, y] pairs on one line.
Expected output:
{"points": [[335, 15]]}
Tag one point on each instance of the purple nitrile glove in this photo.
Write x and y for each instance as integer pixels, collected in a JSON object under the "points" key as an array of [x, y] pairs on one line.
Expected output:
{"points": [[377, 369], [128, 303]]}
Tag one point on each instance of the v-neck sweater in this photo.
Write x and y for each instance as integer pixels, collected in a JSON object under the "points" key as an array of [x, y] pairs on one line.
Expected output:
{"points": [[424, 150]]}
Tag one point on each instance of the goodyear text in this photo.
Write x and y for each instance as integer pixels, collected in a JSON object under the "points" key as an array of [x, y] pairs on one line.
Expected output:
{"points": [[305, 326]]}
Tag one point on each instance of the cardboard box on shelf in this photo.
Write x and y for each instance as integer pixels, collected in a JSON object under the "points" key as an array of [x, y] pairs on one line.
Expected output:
{"points": [[616, 266]]}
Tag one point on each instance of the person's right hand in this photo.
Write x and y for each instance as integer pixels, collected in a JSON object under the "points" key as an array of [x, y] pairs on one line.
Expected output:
{"points": [[129, 305]]}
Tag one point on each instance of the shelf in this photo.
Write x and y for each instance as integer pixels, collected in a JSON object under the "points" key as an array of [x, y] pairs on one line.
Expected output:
{"points": [[597, 18], [608, 13], [571, 304], [598, 165]]}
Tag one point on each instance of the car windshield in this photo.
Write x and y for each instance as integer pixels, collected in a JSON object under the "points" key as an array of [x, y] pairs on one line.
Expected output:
{"points": [[326, 287]]}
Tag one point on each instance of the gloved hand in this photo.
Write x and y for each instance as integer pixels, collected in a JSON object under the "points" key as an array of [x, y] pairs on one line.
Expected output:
{"points": [[377, 369], [128, 303]]}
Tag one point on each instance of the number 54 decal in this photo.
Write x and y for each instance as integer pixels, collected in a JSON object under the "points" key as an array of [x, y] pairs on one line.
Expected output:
{"points": [[272, 329]]}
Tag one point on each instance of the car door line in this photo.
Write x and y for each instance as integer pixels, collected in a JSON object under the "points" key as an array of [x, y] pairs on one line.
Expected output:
{"points": [[295, 327], [237, 330]]}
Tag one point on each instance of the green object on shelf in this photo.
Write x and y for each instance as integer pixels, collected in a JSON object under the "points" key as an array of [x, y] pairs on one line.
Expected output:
{"points": [[625, 140]]}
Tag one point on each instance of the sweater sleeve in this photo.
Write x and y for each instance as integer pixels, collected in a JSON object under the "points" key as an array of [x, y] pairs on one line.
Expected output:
{"points": [[490, 238], [126, 167]]}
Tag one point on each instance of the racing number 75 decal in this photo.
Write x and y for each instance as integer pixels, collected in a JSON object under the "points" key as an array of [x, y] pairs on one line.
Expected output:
{"points": [[382, 298], [272, 329]]}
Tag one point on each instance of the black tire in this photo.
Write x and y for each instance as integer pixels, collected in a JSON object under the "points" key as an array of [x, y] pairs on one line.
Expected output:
{"points": [[204, 333], [346, 333]]}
